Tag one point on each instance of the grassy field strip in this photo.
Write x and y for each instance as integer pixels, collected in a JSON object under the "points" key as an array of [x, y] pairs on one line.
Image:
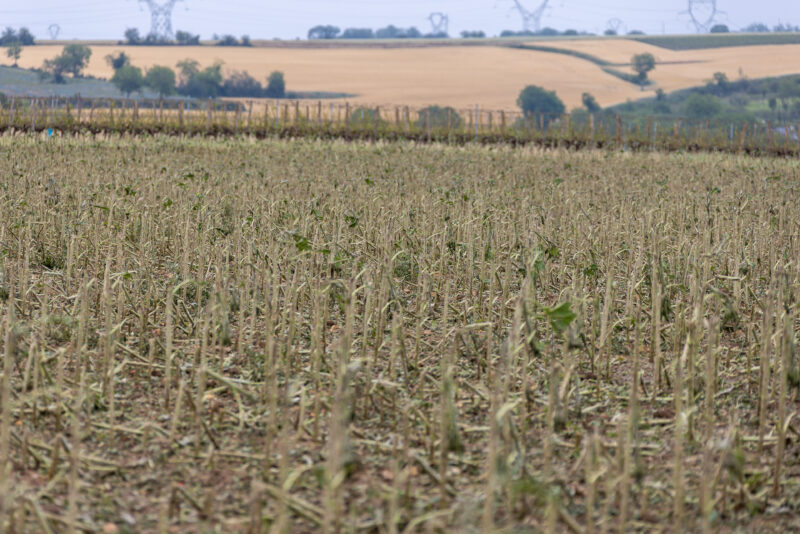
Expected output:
{"points": [[331, 120], [241, 336]]}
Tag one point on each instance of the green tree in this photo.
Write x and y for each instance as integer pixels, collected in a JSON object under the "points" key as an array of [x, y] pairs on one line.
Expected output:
{"points": [[276, 85], [133, 37], [324, 32], [187, 68], [534, 99], [128, 79], [14, 51], [590, 103], [161, 80], [72, 60], [439, 117], [719, 28], [643, 64], [206, 83], [76, 58], [699, 106], [118, 61]]}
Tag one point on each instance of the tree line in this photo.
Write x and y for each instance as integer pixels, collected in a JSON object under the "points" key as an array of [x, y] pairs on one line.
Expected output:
{"points": [[182, 38], [190, 80]]}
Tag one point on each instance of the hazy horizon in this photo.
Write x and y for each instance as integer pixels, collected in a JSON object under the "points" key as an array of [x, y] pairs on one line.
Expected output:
{"points": [[95, 19]]}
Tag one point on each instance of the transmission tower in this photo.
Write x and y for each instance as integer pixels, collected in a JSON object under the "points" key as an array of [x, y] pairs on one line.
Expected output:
{"points": [[702, 13], [439, 23], [54, 30], [160, 18], [531, 20]]}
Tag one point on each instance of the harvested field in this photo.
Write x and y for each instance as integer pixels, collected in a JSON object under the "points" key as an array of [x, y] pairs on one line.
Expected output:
{"points": [[293, 336], [458, 76], [683, 69]]}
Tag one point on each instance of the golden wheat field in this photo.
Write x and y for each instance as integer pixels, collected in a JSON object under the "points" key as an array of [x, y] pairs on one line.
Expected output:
{"points": [[687, 68], [458, 76]]}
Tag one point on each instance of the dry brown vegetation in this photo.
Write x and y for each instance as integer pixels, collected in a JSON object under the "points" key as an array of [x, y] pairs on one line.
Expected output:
{"points": [[458, 76], [293, 336]]}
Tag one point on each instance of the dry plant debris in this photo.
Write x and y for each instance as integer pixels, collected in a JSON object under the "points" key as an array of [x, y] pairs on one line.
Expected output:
{"points": [[295, 336]]}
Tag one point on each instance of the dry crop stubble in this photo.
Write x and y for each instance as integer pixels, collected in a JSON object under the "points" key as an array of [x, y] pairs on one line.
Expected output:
{"points": [[293, 335]]}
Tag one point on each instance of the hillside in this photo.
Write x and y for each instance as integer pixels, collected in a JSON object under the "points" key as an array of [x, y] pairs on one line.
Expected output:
{"points": [[461, 75]]}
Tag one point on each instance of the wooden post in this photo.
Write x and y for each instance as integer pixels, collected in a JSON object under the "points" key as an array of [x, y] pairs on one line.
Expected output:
{"points": [[491, 120], [111, 111], [12, 112], [33, 117], [236, 120], [80, 103], [319, 112], [397, 115], [591, 128], [376, 119], [770, 137], [743, 136], [208, 116], [503, 121], [347, 116], [650, 131], [797, 134], [181, 105], [428, 122], [676, 133], [297, 112], [91, 110], [135, 111], [619, 131], [408, 120]]}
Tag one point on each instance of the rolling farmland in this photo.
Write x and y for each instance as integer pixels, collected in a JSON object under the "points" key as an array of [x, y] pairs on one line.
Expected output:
{"points": [[459, 76]]}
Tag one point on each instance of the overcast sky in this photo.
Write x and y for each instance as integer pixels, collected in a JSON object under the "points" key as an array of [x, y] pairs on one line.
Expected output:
{"points": [[288, 19]]}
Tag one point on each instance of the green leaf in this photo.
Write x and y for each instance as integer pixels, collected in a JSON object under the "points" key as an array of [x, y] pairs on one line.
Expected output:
{"points": [[351, 220], [301, 243], [560, 317]]}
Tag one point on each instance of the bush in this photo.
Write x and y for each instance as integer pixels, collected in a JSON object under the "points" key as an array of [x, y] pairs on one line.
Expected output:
{"points": [[534, 99], [228, 40], [590, 103], [118, 61], [365, 117], [241, 84], [276, 85], [702, 106], [206, 83], [440, 117], [720, 28], [473, 34]]}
